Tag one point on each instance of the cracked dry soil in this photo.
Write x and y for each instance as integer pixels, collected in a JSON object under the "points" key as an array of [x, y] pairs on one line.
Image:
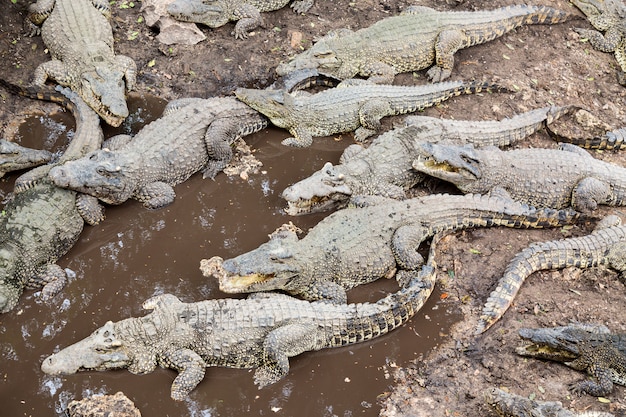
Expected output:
{"points": [[542, 64]]}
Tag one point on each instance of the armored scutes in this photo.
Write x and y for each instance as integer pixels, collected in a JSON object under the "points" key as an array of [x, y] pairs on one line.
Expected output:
{"points": [[349, 106], [606, 245], [415, 40], [385, 167], [42, 223], [608, 16], [358, 245], [262, 332], [80, 40], [584, 347], [540, 177], [513, 405], [193, 134], [216, 13]]}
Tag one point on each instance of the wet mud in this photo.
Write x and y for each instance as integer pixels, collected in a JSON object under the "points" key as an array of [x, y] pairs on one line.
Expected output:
{"points": [[137, 253]]}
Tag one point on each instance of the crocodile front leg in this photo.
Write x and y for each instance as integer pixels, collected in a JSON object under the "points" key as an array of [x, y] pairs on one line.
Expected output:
{"points": [[302, 6], [156, 195], [404, 244], [589, 193], [378, 72], [129, 68], [281, 344], [191, 368], [54, 70], [323, 290], [604, 43], [588, 361], [370, 114], [302, 138], [219, 138], [90, 210], [248, 17], [51, 281], [103, 6]]}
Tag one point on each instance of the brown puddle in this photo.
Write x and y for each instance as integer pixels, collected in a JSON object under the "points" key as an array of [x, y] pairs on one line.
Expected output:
{"points": [[137, 253]]}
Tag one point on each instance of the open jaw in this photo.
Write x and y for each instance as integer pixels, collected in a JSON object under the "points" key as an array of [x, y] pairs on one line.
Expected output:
{"points": [[233, 283], [445, 170], [543, 351], [316, 204]]}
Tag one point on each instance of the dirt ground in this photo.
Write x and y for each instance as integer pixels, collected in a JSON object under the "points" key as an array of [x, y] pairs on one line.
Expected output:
{"points": [[542, 64]]}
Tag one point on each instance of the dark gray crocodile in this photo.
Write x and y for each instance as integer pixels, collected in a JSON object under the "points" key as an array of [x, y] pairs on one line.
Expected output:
{"points": [[262, 332], [216, 13], [606, 245], [414, 40], [385, 167], [193, 134], [541, 177], [584, 347], [14, 157], [358, 245], [42, 223], [80, 40], [351, 106], [513, 405], [608, 16]]}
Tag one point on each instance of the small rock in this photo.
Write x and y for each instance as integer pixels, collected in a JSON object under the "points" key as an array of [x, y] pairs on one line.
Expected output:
{"points": [[118, 405]]}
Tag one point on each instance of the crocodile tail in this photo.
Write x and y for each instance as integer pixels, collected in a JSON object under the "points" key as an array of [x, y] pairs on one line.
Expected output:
{"points": [[543, 15], [613, 140], [474, 87], [37, 93]]}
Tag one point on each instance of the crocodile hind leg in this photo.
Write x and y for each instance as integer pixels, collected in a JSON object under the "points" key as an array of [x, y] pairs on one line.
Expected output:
{"points": [[404, 244], [280, 344], [248, 17], [302, 6], [191, 368], [447, 43], [103, 6], [218, 138], [589, 193], [617, 259], [38, 12], [52, 279]]}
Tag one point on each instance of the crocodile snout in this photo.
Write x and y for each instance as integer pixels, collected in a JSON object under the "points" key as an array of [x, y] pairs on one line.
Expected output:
{"points": [[59, 176], [231, 266]]}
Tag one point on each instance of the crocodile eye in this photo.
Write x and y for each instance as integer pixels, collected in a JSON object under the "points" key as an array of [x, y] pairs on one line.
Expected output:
{"points": [[103, 171], [93, 157]]}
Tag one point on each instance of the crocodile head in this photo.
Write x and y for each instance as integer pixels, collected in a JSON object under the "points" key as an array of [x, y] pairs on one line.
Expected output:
{"points": [[102, 350], [10, 291], [321, 56], [325, 190], [456, 164], [269, 267], [558, 343], [14, 157], [104, 174], [275, 104], [208, 12], [104, 90]]}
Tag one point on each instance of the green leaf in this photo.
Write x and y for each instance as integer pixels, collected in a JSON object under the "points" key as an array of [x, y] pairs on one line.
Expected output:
{"points": [[474, 251]]}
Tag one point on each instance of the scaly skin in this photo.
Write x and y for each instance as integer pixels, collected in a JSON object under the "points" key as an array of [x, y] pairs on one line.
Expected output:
{"points": [[612, 140], [41, 223], [415, 40], [247, 13], [349, 106], [193, 134], [358, 245], [512, 405], [80, 40], [584, 347], [608, 16], [385, 167], [541, 177], [606, 245], [262, 332]]}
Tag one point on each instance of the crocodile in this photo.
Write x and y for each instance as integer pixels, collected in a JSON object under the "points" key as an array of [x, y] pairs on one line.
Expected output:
{"points": [[385, 167], [606, 245], [193, 134], [612, 140], [414, 40], [541, 177], [14, 157], [216, 13], [584, 347], [358, 245], [80, 40], [608, 16], [512, 405], [262, 331], [349, 106], [41, 223]]}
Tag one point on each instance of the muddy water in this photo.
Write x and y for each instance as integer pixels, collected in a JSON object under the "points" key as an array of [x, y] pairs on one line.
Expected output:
{"points": [[137, 253]]}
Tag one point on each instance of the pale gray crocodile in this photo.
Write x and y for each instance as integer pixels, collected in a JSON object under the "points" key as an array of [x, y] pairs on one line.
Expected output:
{"points": [[606, 245], [192, 135], [385, 167], [262, 332], [415, 40], [541, 177], [216, 13], [358, 245], [351, 106], [80, 40], [42, 223]]}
